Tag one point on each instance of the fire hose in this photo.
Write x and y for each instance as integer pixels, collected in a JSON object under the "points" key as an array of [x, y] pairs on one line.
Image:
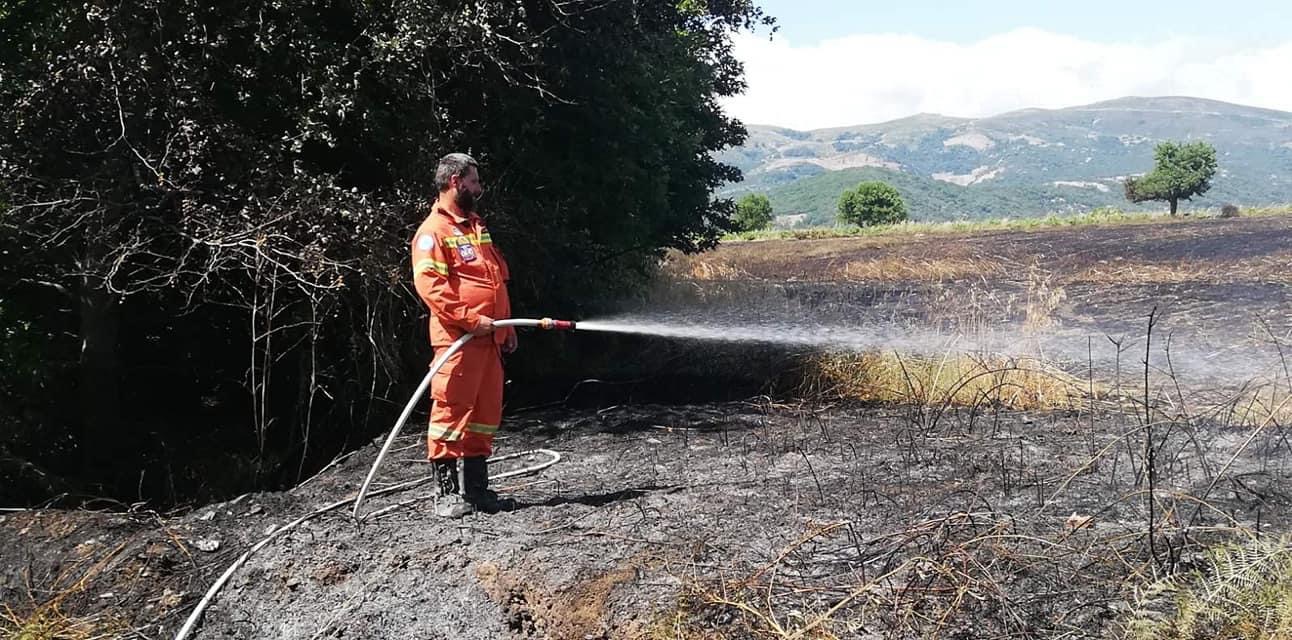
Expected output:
{"points": [[544, 323]]}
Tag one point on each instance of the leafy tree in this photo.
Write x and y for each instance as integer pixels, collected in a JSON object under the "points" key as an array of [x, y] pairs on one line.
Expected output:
{"points": [[205, 207], [1181, 172], [872, 203], [753, 212]]}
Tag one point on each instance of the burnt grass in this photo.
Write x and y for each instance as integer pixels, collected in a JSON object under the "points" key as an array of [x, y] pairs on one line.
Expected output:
{"points": [[770, 516]]}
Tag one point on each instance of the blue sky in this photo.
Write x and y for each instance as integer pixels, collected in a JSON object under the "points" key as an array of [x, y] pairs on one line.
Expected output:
{"points": [[836, 63], [810, 21]]}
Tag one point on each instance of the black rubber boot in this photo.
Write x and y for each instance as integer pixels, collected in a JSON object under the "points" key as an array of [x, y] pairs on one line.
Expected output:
{"points": [[450, 503], [475, 488]]}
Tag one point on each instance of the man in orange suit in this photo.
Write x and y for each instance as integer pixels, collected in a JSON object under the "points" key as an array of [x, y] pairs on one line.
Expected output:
{"points": [[462, 278]]}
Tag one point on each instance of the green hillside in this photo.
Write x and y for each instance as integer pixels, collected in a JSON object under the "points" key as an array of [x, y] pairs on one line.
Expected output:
{"points": [[1023, 163], [932, 200]]}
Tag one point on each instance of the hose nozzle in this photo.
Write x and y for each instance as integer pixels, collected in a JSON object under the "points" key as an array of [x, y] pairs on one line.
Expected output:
{"points": [[563, 325]]}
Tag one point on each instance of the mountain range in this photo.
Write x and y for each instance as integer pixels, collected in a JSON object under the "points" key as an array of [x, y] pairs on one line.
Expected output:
{"points": [[1022, 163]]}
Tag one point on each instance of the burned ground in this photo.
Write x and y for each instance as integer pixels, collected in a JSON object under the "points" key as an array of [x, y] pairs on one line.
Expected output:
{"points": [[676, 521], [1210, 250], [1219, 289], [809, 517]]}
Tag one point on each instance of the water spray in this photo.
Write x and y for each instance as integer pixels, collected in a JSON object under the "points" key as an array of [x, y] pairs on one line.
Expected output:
{"points": [[542, 323]]}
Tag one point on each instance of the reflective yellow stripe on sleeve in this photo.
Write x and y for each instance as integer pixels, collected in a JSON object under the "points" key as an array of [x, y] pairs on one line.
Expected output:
{"points": [[427, 264]]}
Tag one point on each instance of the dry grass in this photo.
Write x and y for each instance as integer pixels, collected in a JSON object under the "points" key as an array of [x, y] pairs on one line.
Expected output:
{"points": [[954, 379], [48, 622], [929, 580], [46, 616], [1044, 297], [580, 611], [946, 576], [882, 268], [713, 270], [1271, 268], [1016, 383], [893, 268], [898, 269], [1257, 404]]}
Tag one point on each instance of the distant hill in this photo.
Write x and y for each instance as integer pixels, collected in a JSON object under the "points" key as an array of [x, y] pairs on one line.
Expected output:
{"points": [[1028, 162]]}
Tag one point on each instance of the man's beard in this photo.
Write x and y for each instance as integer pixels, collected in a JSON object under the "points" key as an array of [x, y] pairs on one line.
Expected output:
{"points": [[465, 200]]}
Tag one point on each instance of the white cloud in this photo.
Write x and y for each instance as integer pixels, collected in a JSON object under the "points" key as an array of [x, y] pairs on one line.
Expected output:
{"points": [[872, 78]]}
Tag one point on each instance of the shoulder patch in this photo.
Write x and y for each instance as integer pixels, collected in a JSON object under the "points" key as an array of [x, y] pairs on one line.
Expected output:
{"points": [[425, 242]]}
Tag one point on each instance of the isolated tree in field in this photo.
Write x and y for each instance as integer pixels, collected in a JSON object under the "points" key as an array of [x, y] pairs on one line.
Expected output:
{"points": [[1181, 172], [872, 203], [753, 212]]}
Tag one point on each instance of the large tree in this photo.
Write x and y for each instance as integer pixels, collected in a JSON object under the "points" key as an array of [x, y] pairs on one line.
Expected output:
{"points": [[206, 205], [1182, 170]]}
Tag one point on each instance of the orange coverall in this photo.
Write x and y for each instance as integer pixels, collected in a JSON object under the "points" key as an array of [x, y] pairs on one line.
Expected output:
{"points": [[461, 276]]}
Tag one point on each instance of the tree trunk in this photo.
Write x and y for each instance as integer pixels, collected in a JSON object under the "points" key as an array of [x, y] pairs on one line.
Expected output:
{"points": [[1175, 203], [102, 441]]}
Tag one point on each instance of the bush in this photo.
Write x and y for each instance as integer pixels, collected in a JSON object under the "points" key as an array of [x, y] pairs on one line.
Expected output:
{"points": [[872, 203], [753, 212], [1229, 211]]}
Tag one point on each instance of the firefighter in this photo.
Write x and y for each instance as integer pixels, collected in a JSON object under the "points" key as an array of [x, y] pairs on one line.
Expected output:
{"points": [[462, 278]]}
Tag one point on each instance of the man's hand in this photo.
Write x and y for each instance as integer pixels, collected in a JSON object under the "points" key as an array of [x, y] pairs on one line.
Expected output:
{"points": [[484, 326], [509, 345]]}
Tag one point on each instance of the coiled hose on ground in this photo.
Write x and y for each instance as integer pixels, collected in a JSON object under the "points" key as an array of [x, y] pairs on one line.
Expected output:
{"points": [[554, 457]]}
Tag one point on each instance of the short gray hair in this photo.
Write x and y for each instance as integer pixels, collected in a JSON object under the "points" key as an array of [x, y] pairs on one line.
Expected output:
{"points": [[454, 164]]}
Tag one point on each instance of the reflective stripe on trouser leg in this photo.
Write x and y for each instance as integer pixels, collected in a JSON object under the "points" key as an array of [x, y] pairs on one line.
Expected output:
{"points": [[468, 403]]}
